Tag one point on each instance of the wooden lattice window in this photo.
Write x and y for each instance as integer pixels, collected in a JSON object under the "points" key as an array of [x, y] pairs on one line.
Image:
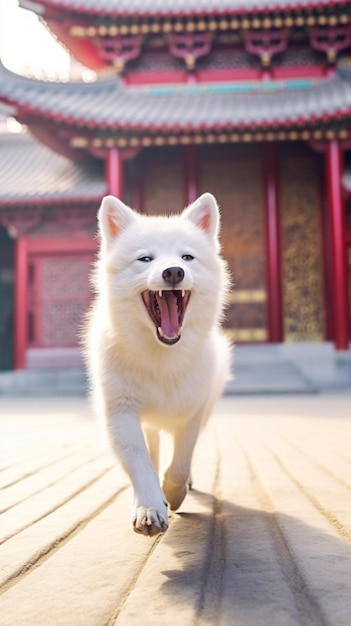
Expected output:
{"points": [[58, 297]]}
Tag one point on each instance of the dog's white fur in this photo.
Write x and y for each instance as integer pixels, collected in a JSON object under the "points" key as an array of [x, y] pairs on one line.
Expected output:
{"points": [[138, 381]]}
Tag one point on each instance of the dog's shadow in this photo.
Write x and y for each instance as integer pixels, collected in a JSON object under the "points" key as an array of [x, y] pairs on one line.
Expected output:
{"points": [[248, 566]]}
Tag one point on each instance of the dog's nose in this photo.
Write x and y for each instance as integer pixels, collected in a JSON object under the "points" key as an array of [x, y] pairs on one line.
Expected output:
{"points": [[173, 275]]}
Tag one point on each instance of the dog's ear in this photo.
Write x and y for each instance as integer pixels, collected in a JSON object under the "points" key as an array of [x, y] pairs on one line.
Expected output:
{"points": [[114, 216], [204, 213]]}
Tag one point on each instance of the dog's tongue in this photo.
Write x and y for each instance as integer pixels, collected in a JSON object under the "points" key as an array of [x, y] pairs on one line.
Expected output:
{"points": [[169, 313]]}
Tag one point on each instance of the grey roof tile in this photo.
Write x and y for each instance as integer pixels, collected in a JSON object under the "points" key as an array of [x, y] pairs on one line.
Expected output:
{"points": [[181, 7], [107, 103], [31, 172]]}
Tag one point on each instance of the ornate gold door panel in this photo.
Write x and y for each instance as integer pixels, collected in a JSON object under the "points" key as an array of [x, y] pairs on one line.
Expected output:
{"points": [[237, 186], [302, 259]]}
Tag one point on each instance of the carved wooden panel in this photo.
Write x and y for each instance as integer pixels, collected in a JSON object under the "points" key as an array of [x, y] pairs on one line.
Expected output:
{"points": [[58, 296], [237, 185], [302, 263]]}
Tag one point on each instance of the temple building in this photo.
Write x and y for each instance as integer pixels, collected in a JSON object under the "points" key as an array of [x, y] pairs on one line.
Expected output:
{"points": [[250, 100]]}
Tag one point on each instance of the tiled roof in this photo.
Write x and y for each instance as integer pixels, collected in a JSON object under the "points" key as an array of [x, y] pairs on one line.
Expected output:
{"points": [[107, 104], [178, 7], [30, 172]]}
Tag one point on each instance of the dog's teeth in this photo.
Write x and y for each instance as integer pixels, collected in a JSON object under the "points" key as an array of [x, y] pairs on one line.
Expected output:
{"points": [[160, 293], [179, 331], [160, 332], [183, 293]]}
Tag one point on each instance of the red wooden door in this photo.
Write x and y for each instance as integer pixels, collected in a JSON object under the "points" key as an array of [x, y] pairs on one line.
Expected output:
{"points": [[52, 294]]}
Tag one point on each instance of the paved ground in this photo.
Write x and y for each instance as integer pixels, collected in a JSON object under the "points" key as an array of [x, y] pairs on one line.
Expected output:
{"points": [[263, 540]]}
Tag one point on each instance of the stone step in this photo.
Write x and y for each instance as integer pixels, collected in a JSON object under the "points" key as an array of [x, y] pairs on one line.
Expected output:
{"points": [[44, 382], [264, 369], [269, 378]]}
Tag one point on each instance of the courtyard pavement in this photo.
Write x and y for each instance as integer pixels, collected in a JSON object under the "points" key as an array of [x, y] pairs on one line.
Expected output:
{"points": [[264, 539]]}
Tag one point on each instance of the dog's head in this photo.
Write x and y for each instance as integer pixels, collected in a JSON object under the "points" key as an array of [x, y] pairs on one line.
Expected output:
{"points": [[164, 268]]}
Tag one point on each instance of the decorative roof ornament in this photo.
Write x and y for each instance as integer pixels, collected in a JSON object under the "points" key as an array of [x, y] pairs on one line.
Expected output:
{"points": [[120, 49], [189, 46], [266, 43], [330, 39]]}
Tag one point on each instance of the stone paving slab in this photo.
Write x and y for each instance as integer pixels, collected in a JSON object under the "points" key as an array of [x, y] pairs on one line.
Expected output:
{"points": [[264, 538]]}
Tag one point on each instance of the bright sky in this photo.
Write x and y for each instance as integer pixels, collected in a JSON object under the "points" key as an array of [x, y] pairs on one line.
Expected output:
{"points": [[26, 46]]}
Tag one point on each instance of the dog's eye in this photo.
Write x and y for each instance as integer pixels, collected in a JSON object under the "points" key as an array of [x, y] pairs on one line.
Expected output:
{"points": [[187, 257], [145, 259]]}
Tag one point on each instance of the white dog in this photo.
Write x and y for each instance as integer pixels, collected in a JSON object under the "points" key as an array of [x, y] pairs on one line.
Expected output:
{"points": [[156, 355]]}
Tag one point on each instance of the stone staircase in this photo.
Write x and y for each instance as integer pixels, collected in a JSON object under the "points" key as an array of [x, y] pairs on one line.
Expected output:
{"points": [[266, 371], [289, 368], [44, 382]]}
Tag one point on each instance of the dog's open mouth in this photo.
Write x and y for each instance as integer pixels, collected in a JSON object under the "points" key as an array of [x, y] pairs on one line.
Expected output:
{"points": [[166, 309]]}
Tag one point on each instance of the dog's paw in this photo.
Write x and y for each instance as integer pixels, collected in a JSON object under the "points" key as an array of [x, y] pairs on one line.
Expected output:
{"points": [[175, 491], [150, 521]]}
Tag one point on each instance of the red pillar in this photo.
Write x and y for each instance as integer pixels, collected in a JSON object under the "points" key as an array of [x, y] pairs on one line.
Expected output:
{"points": [[273, 256], [191, 191], [21, 302], [338, 237], [114, 173]]}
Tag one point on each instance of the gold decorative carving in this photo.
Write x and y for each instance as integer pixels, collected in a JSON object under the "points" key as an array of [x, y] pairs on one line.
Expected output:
{"points": [[219, 137], [246, 334], [238, 296], [212, 24], [79, 142], [303, 302]]}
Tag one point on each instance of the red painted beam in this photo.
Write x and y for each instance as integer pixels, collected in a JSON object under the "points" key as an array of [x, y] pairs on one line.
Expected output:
{"points": [[114, 172], [338, 236], [273, 245], [327, 266], [21, 300]]}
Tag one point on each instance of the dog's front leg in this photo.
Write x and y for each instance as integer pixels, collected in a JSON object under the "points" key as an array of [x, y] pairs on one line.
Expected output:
{"points": [[149, 513], [177, 476], [153, 441]]}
